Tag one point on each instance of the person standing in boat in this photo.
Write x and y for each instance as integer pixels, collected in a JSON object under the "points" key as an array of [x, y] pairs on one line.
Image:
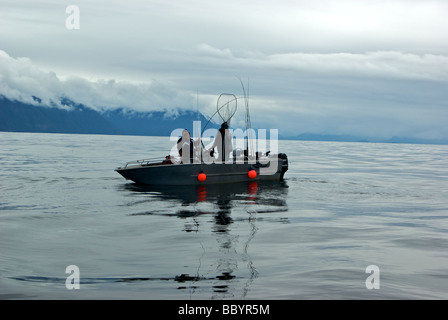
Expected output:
{"points": [[186, 146], [226, 148]]}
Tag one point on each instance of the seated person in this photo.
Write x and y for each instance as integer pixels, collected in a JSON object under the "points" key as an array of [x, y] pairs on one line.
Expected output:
{"points": [[186, 146]]}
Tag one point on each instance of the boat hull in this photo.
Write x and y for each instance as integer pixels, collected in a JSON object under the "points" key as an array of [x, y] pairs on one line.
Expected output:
{"points": [[187, 174]]}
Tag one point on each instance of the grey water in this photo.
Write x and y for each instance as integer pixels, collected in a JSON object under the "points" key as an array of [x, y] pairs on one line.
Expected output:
{"points": [[343, 207]]}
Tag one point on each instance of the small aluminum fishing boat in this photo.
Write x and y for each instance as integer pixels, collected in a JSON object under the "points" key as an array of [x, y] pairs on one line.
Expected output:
{"points": [[204, 169], [164, 172]]}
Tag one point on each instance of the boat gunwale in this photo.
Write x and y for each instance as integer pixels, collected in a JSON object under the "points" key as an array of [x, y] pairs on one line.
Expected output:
{"points": [[138, 164]]}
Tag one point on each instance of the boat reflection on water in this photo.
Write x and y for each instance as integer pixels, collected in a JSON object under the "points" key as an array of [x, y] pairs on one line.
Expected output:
{"points": [[248, 202], [193, 194], [193, 201]]}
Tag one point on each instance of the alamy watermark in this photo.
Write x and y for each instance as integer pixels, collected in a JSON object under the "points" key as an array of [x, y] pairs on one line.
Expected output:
{"points": [[73, 21], [226, 146], [72, 281], [373, 280]]}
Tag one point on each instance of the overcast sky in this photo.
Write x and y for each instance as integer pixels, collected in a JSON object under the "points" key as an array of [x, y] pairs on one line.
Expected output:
{"points": [[371, 68]]}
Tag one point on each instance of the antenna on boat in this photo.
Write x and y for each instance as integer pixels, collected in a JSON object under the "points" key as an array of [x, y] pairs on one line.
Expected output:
{"points": [[248, 123], [197, 103], [197, 127], [197, 114]]}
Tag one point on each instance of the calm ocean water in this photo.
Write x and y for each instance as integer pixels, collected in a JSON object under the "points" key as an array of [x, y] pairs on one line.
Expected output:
{"points": [[343, 207]]}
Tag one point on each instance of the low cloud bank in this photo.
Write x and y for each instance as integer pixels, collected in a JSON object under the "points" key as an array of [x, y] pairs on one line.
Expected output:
{"points": [[386, 64], [22, 81]]}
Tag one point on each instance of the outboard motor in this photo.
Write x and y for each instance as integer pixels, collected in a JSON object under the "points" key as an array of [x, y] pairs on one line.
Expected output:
{"points": [[284, 158]]}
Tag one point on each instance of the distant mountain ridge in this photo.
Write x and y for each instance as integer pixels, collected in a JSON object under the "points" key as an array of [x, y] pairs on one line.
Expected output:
{"points": [[17, 116], [350, 138]]}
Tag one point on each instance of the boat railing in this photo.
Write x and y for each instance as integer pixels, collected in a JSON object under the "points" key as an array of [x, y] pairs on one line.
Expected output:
{"points": [[262, 161], [143, 162]]}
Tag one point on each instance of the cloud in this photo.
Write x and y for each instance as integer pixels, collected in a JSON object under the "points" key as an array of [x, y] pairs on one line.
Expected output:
{"points": [[209, 51], [380, 94], [389, 64], [378, 64], [21, 80]]}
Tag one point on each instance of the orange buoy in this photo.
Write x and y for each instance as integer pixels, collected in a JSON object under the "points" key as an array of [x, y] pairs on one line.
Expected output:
{"points": [[252, 174], [202, 177]]}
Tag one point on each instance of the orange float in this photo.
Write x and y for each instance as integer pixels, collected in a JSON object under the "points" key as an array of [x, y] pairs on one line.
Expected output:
{"points": [[252, 174]]}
